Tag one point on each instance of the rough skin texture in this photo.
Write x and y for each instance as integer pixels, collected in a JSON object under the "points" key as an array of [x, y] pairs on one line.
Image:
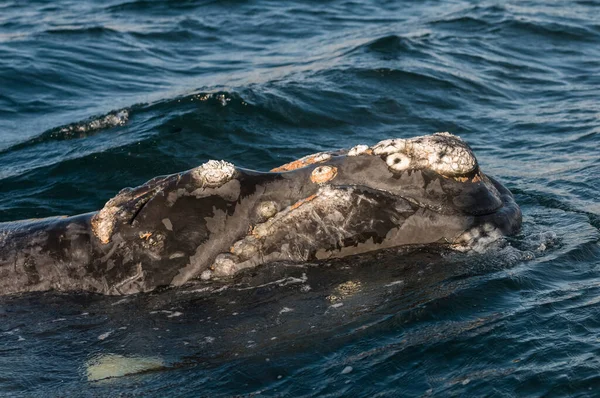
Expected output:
{"points": [[217, 219]]}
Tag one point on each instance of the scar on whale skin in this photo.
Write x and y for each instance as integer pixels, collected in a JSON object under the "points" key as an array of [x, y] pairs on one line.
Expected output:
{"points": [[217, 219]]}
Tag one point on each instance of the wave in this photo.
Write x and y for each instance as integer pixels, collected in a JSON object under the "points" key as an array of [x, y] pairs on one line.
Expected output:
{"points": [[113, 119], [137, 6], [552, 29], [394, 46], [515, 21], [76, 130], [174, 114], [391, 43], [81, 30]]}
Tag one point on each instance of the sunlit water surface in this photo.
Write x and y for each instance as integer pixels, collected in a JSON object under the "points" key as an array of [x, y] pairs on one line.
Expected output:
{"points": [[96, 96]]}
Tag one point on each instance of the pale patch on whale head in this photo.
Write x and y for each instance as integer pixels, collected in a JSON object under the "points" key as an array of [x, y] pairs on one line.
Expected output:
{"points": [[398, 161], [358, 150], [444, 153], [387, 147], [323, 174], [267, 209], [214, 173], [104, 222], [225, 265], [321, 157], [478, 239]]}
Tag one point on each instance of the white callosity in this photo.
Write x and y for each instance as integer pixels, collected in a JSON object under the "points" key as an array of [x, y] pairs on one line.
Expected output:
{"points": [[122, 207], [314, 158], [398, 161], [478, 239], [104, 222], [225, 265], [323, 174], [321, 157], [446, 153], [267, 209], [443, 153], [247, 247], [214, 173], [387, 147], [358, 150]]}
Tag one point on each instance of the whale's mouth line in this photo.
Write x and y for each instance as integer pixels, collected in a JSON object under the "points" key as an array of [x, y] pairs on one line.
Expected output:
{"points": [[411, 200]]}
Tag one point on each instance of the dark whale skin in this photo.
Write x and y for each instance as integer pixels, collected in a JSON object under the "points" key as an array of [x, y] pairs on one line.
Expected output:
{"points": [[215, 220]]}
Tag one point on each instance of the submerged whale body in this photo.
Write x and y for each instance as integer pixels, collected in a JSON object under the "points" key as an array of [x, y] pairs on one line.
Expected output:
{"points": [[217, 219]]}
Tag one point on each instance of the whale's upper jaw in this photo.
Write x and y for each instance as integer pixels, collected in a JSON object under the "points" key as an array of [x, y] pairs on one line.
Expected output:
{"points": [[437, 171], [443, 153]]}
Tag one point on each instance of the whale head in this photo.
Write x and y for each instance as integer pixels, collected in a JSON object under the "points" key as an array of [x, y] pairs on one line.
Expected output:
{"points": [[217, 219]]}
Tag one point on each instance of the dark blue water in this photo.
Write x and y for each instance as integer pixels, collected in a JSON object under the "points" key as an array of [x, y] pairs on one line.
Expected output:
{"points": [[97, 96]]}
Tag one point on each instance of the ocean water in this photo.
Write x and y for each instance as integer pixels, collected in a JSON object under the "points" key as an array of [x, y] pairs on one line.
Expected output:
{"points": [[97, 96]]}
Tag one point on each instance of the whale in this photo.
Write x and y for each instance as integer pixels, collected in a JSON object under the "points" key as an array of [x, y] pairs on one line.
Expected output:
{"points": [[218, 220]]}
